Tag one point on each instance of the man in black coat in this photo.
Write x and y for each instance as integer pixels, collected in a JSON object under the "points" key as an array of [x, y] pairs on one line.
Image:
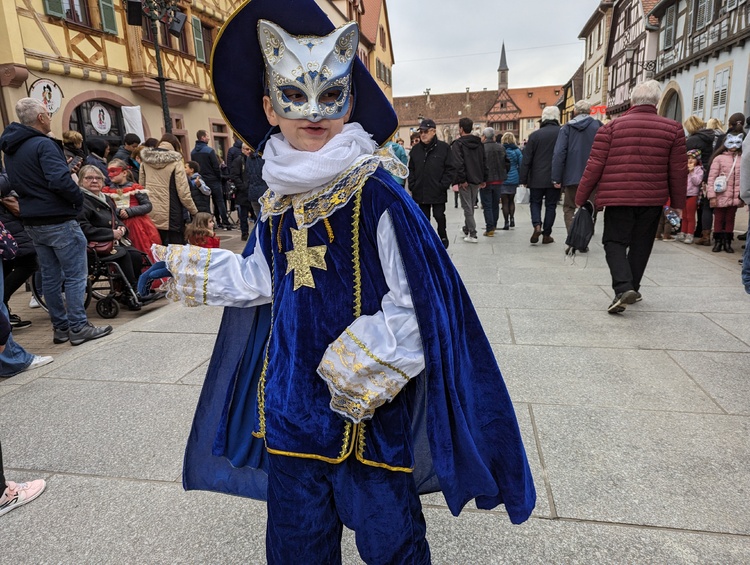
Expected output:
{"points": [[431, 172], [238, 174], [471, 173], [206, 157], [536, 174]]}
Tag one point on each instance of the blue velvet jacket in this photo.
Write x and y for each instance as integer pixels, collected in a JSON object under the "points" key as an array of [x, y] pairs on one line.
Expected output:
{"points": [[453, 426]]}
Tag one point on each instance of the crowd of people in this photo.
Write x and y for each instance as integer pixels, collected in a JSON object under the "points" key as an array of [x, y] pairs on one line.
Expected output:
{"points": [[626, 165]]}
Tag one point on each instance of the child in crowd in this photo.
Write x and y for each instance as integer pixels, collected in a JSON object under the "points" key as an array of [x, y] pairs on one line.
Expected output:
{"points": [[695, 181], [334, 392], [133, 206], [201, 231], [199, 190], [723, 189]]}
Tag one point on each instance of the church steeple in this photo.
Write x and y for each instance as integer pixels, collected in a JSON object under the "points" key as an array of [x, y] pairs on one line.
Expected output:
{"points": [[502, 71]]}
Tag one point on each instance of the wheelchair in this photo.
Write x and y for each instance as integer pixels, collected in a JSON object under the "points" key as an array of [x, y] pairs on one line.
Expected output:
{"points": [[106, 283]]}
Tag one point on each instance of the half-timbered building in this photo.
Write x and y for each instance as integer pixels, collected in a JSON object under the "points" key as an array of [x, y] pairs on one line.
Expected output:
{"points": [[595, 72], [703, 58], [631, 51]]}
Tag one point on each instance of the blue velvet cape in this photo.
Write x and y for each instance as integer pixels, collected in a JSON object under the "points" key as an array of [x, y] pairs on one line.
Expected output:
{"points": [[465, 435]]}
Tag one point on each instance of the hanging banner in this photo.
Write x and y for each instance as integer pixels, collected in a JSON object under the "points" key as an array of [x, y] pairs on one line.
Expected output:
{"points": [[48, 93]]}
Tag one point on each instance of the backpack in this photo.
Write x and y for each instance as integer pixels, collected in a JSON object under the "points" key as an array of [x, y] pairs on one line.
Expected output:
{"points": [[581, 230]]}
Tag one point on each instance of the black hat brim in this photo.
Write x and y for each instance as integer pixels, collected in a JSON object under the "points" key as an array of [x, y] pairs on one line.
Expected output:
{"points": [[237, 70]]}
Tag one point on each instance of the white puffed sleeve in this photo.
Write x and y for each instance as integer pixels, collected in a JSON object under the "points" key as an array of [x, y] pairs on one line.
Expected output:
{"points": [[372, 360], [215, 277]]}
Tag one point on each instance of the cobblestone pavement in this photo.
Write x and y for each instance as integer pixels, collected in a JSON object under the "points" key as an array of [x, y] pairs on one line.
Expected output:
{"points": [[636, 425]]}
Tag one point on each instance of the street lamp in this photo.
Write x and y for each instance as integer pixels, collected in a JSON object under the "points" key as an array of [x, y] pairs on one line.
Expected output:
{"points": [[649, 66], [167, 12]]}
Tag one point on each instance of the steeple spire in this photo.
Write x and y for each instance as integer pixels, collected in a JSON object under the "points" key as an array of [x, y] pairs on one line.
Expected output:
{"points": [[502, 71]]}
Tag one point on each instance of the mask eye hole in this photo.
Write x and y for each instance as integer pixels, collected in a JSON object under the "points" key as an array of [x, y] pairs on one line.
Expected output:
{"points": [[331, 96], [293, 95]]}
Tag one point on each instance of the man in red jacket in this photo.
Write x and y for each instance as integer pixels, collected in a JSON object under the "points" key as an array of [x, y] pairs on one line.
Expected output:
{"points": [[638, 163]]}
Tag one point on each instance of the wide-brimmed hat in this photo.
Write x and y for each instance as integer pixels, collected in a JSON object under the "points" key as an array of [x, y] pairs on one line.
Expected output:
{"points": [[238, 70]]}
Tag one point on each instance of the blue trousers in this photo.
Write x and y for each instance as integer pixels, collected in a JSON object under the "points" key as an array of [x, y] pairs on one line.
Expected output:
{"points": [[14, 358], [746, 266], [61, 250], [309, 501], [490, 196], [551, 197]]}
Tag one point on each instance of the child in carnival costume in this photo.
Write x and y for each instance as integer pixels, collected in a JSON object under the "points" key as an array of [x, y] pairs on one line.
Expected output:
{"points": [[350, 373]]}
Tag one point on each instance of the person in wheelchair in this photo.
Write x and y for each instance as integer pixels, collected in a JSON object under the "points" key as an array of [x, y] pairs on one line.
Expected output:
{"points": [[99, 223]]}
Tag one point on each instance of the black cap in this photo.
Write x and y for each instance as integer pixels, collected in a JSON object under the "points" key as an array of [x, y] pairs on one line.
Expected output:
{"points": [[427, 123]]}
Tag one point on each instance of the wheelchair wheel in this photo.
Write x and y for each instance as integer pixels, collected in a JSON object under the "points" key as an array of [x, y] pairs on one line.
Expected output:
{"points": [[37, 293], [107, 307]]}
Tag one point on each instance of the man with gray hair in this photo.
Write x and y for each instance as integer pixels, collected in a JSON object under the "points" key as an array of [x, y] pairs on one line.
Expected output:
{"points": [[49, 201], [536, 174], [637, 163], [571, 154]]}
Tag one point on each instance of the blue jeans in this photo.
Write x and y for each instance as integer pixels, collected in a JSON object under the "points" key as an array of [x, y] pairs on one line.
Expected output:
{"points": [[490, 196], [61, 250], [551, 197], [14, 358], [220, 205]]}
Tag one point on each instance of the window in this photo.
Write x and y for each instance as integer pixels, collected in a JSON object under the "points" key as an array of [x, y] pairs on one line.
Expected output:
{"points": [[148, 34], [699, 97], [220, 139], [598, 81], [703, 13], [721, 92], [732, 4], [200, 50], [669, 24], [208, 40], [77, 11], [600, 33], [588, 84], [382, 37]]}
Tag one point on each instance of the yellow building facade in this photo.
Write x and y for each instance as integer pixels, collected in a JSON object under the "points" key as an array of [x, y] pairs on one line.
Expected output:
{"points": [[96, 73]]}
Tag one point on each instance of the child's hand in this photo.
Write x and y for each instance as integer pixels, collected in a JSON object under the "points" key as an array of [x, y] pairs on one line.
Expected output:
{"points": [[712, 202]]}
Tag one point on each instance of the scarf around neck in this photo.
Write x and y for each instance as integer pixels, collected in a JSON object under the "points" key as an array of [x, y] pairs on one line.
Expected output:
{"points": [[288, 171]]}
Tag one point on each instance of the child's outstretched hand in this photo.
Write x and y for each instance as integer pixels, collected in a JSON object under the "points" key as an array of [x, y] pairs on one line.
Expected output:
{"points": [[157, 271]]}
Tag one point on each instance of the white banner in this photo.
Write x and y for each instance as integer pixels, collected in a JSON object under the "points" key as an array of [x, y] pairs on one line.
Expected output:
{"points": [[131, 115]]}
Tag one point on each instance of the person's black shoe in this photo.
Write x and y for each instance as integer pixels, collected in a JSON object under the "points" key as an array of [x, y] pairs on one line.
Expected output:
{"points": [[151, 297], [17, 323], [133, 304], [228, 227], [445, 242], [742, 236], [88, 333], [244, 237], [512, 222], [622, 300], [60, 336]]}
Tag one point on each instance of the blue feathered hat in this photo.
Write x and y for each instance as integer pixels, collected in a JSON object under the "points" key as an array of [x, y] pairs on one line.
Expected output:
{"points": [[238, 70]]}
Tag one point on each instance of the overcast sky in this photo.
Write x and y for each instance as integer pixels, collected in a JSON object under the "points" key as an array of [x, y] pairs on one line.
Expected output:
{"points": [[448, 45]]}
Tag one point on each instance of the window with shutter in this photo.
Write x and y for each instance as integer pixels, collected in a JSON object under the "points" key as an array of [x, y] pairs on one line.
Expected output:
{"points": [[720, 95], [54, 8], [732, 4], [703, 13], [669, 21], [109, 19], [699, 98], [200, 53]]}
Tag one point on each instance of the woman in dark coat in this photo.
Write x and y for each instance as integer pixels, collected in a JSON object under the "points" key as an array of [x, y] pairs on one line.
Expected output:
{"points": [[99, 222]]}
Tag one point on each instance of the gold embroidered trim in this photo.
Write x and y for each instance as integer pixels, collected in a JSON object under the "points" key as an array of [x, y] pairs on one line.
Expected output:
{"points": [[346, 451], [278, 232], [374, 357], [262, 381], [205, 277], [355, 254], [325, 202], [329, 229], [360, 455]]}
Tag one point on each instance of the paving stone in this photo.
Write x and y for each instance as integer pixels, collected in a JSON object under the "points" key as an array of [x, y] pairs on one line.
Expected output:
{"points": [[618, 378], [176, 318], [536, 296], [196, 376], [668, 469], [103, 428], [634, 328], [724, 376], [144, 356], [5, 389], [736, 324], [693, 299], [495, 324]]}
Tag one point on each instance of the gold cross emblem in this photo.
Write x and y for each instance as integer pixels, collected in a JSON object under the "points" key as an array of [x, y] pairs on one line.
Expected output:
{"points": [[302, 258]]}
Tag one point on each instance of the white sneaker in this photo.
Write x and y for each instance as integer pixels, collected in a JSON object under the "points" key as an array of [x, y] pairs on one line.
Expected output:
{"points": [[33, 303], [470, 239], [680, 236], [39, 361], [688, 238]]}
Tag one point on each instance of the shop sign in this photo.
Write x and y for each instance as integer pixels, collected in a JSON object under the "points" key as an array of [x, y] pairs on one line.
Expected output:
{"points": [[48, 93]]}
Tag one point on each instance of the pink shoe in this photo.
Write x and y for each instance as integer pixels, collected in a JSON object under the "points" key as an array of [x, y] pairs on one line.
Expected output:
{"points": [[18, 494]]}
